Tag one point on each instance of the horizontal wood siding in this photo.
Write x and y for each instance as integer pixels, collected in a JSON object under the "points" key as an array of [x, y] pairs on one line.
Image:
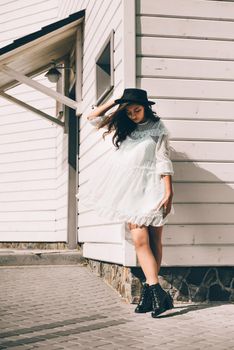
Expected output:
{"points": [[184, 60], [100, 19], [22, 17], [28, 143], [61, 184]]}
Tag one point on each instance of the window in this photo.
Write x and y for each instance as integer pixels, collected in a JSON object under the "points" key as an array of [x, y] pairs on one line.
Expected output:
{"points": [[105, 69]]}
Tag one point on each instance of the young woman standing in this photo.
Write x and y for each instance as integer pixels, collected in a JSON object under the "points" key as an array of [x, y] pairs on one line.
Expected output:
{"points": [[134, 185]]}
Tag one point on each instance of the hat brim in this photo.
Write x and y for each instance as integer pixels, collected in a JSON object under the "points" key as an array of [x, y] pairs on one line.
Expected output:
{"points": [[120, 100]]}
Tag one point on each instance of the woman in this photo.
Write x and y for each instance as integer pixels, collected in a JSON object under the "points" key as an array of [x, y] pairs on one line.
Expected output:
{"points": [[134, 185]]}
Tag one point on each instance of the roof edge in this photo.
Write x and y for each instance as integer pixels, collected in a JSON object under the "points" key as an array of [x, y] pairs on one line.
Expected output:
{"points": [[41, 32]]}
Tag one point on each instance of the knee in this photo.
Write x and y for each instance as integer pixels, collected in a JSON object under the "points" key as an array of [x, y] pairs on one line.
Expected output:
{"points": [[132, 226], [139, 238], [139, 242]]}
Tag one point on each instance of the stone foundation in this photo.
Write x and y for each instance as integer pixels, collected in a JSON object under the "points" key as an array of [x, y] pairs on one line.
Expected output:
{"points": [[188, 284], [36, 245]]}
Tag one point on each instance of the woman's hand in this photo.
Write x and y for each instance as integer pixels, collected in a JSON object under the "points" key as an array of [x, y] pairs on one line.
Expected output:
{"points": [[166, 204]]}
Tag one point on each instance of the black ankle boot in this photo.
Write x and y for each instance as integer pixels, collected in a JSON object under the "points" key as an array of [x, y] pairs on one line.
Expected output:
{"points": [[145, 303], [161, 300]]}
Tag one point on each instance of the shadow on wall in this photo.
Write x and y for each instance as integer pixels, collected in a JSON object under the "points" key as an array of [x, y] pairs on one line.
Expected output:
{"points": [[200, 198], [205, 198]]}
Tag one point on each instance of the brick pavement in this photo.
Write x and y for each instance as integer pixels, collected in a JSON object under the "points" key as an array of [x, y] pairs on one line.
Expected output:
{"points": [[69, 307]]}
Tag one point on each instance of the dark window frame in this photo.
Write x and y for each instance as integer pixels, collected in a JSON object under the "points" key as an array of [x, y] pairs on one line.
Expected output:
{"points": [[109, 41]]}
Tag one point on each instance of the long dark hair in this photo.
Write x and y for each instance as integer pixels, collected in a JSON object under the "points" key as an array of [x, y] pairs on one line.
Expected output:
{"points": [[119, 122]]}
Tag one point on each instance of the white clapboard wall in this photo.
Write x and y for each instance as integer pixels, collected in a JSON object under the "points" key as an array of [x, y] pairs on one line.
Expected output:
{"points": [[103, 240], [185, 55], [33, 166]]}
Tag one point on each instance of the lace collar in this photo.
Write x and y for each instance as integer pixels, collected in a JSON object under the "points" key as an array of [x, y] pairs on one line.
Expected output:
{"points": [[149, 128]]}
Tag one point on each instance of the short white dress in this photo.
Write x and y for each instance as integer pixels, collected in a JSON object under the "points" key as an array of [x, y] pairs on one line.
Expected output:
{"points": [[128, 186]]}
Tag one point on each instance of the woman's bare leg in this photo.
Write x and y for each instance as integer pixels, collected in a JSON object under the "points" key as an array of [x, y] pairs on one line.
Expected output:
{"points": [[155, 238], [140, 237]]}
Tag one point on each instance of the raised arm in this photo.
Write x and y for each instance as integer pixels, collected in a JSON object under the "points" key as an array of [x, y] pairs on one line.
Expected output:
{"points": [[100, 110]]}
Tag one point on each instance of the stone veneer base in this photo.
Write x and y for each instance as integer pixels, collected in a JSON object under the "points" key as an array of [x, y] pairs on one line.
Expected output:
{"points": [[35, 245], [186, 284]]}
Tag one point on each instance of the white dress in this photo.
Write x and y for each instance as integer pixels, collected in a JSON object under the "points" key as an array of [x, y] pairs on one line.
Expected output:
{"points": [[128, 186]]}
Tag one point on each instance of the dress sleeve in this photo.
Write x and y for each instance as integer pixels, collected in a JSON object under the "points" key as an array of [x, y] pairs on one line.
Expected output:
{"points": [[163, 163], [95, 121]]}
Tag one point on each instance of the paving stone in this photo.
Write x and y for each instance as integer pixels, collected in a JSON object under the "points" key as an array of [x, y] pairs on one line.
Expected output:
{"points": [[69, 307]]}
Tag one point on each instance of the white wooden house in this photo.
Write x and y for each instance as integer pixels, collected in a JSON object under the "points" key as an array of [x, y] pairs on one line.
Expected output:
{"points": [[182, 53]]}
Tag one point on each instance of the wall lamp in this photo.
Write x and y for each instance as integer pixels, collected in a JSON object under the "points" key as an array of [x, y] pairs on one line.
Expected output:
{"points": [[53, 73]]}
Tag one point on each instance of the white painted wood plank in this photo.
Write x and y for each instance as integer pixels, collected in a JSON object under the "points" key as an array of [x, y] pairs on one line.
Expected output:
{"points": [[19, 115], [38, 236], [21, 11], [184, 27], [33, 24], [100, 24], [89, 217], [214, 213], [61, 224], [200, 130], [181, 256], [30, 166], [89, 135], [48, 204], [32, 94], [129, 42], [184, 68], [191, 8], [38, 125], [91, 140], [104, 233], [201, 171], [194, 109], [27, 136], [198, 256], [23, 31], [21, 215], [202, 151], [61, 211], [102, 149], [63, 178], [186, 88], [104, 252], [27, 226], [14, 175], [197, 234], [26, 142], [7, 6], [174, 47], [206, 192], [23, 156], [27, 195], [95, 12]]}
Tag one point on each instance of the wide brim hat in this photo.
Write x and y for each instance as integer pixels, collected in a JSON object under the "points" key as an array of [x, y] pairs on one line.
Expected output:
{"points": [[134, 95]]}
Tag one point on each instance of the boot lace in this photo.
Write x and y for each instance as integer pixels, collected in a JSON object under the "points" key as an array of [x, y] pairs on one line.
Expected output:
{"points": [[144, 292], [156, 302]]}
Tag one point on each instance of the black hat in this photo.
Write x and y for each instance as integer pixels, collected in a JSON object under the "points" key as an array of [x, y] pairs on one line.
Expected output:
{"points": [[135, 95]]}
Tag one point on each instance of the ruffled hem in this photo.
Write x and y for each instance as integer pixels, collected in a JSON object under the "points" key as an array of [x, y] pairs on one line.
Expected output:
{"points": [[153, 217]]}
